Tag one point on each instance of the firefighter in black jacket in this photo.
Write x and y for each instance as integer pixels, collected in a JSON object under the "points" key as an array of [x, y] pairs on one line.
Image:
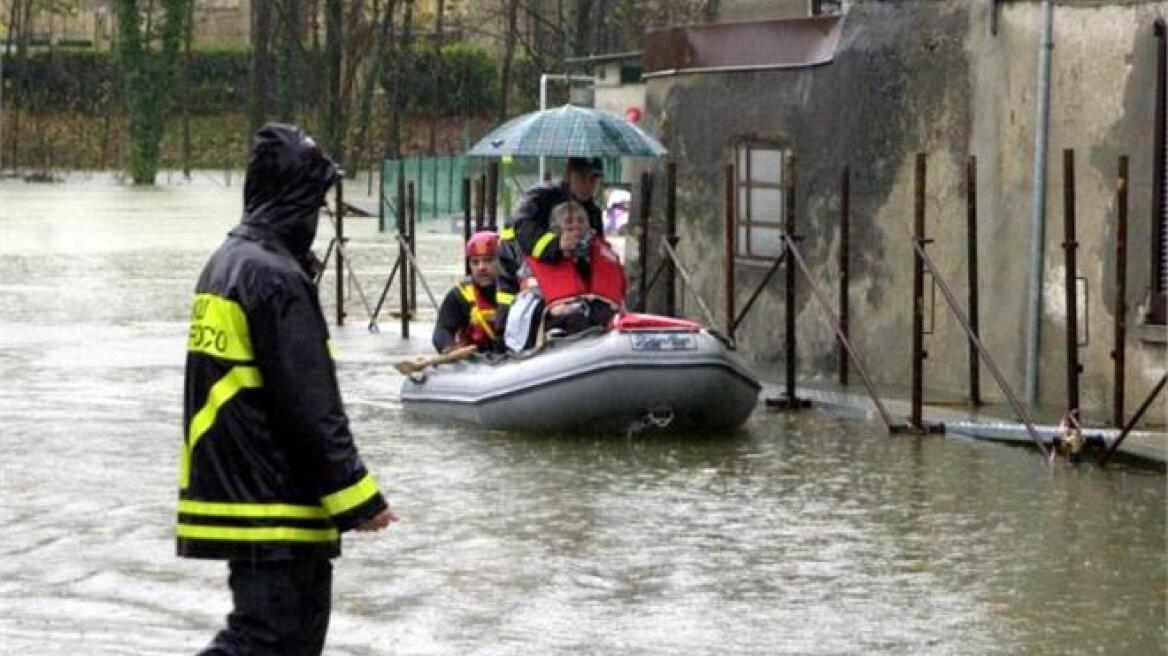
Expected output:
{"points": [[269, 475], [529, 233], [467, 313]]}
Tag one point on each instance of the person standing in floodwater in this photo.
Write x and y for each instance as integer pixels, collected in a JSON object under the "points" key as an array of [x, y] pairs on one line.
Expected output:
{"points": [[269, 474]]}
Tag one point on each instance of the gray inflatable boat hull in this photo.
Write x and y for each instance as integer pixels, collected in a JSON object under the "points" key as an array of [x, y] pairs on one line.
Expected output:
{"points": [[600, 383]]}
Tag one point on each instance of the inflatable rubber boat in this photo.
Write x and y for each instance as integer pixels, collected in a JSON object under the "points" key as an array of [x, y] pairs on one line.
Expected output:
{"points": [[645, 372]]}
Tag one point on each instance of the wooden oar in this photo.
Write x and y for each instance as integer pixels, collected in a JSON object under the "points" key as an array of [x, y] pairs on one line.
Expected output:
{"points": [[407, 367]]}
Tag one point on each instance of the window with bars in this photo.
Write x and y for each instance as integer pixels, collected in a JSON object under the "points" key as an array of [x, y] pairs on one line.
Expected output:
{"points": [[760, 198]]}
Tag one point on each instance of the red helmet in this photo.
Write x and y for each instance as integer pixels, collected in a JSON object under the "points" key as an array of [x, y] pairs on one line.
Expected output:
{"points": [[482, 244]]}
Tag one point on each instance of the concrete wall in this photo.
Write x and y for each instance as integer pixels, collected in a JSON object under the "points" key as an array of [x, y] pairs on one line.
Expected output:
{"points": [[929, 76]]}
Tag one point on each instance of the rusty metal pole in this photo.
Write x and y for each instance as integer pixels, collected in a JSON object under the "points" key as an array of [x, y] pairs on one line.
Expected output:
{"points": [[412, 225], [340, 252], [1070, 246], [403, 283], [1131, 424], [466, 220], [916, 419], [789, 400], [1117, 351], [493, 195], [789, 315], [971, 258], [728, 263], [643, 241], [845, 207], [480, 202], [671, 236]]}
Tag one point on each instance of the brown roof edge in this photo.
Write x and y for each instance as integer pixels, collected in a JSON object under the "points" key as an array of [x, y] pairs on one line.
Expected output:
{"points": [[725, 47]]}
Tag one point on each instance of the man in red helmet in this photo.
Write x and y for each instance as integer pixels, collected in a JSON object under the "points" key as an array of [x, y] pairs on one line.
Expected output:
{"points": [[467, 314]]}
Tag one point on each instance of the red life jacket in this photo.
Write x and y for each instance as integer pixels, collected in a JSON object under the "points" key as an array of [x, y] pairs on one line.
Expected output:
{"points": [[482, 313], [562, 280]]}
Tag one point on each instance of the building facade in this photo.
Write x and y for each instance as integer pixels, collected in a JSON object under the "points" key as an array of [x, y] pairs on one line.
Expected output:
{"points": [[869, 88]]}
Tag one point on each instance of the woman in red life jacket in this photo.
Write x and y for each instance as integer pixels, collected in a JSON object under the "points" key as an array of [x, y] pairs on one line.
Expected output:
{"points": [[585, 286], [468, 311]]}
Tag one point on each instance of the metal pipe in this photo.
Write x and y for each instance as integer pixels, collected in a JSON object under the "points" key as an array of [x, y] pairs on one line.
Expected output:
{"points": [[709, 316], [981, 349], [643, 241], [373, 327], [728, 261], [1070, 246], [918, 300], [845, 208], [971, 258], [411, 242], [414, 265], [758, 290], [1127, 429], [465, 222], [480, 202], [839, 332], [671, 236], [1117, 351], [1038, 217], [403, 282], [1159, 222], [493, 195], [789, 287], [340, 213]]}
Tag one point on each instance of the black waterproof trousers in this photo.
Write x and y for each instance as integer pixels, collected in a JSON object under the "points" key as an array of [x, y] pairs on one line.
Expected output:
{"points": [[281, 609]]}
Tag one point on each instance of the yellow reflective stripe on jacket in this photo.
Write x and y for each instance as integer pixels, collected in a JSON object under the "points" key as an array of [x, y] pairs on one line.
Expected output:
{"points": [[507, 233], [221, 392], [478, 316], [331, 346], [542, 244], [350, 497], [503, 298], [258, 533], [250, 510], [219, 329]]}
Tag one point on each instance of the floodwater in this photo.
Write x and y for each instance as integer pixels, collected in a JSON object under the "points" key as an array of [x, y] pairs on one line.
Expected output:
{"points": [[803, 534]]}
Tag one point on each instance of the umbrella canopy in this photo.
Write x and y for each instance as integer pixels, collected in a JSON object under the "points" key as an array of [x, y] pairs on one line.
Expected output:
{"points": [[568, 131]]}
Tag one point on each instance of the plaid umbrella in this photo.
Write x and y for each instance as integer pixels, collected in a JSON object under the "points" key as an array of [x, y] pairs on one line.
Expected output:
{"points": [[568, 131]]}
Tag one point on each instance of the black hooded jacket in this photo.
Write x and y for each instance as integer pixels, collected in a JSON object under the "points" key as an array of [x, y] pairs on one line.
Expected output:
{"points": [[268, 467]]}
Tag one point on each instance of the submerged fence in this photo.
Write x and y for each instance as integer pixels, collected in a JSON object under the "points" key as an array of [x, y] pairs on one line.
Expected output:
{"points": [[438, 184]]}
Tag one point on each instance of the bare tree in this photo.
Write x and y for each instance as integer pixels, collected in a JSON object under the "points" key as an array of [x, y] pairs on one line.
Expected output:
{"points": [[510, 37]]}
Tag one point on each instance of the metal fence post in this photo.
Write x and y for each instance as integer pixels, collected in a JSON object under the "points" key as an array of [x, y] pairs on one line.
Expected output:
{"points": [[1118, 349]]}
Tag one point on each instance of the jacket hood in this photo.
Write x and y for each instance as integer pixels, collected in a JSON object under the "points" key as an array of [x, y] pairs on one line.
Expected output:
{"points": [[287, 179]]}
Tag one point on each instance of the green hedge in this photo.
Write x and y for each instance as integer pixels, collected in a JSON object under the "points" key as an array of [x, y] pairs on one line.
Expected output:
{"points": [[87, 81]]}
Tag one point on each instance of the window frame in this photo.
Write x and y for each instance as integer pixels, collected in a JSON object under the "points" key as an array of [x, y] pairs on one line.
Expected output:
{"points": [[745, 183]]}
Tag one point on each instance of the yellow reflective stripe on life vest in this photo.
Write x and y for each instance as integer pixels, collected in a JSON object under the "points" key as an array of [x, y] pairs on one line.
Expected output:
{"points": [[483, 319], [258, 533], [221, 392], [219, 329], [542, 244], [503, 298], [507, 233], [350, 497], [478, 316], [250, 510]]}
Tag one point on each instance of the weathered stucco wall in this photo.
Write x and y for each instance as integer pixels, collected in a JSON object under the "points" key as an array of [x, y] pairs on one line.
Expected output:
{"points": [[929, 76]]}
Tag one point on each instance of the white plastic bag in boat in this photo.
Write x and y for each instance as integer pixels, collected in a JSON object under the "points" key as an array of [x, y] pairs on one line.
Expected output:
{"points": [[523, 320]]}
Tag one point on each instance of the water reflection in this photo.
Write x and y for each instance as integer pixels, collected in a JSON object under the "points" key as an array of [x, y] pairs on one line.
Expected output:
{"points": [[800, 534]]}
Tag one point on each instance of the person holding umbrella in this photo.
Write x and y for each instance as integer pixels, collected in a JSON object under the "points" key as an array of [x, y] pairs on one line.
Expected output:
{"points": [[529, 233]]}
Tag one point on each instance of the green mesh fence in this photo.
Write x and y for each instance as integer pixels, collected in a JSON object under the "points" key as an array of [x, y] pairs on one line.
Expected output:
{"points": [[438, 184]]}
